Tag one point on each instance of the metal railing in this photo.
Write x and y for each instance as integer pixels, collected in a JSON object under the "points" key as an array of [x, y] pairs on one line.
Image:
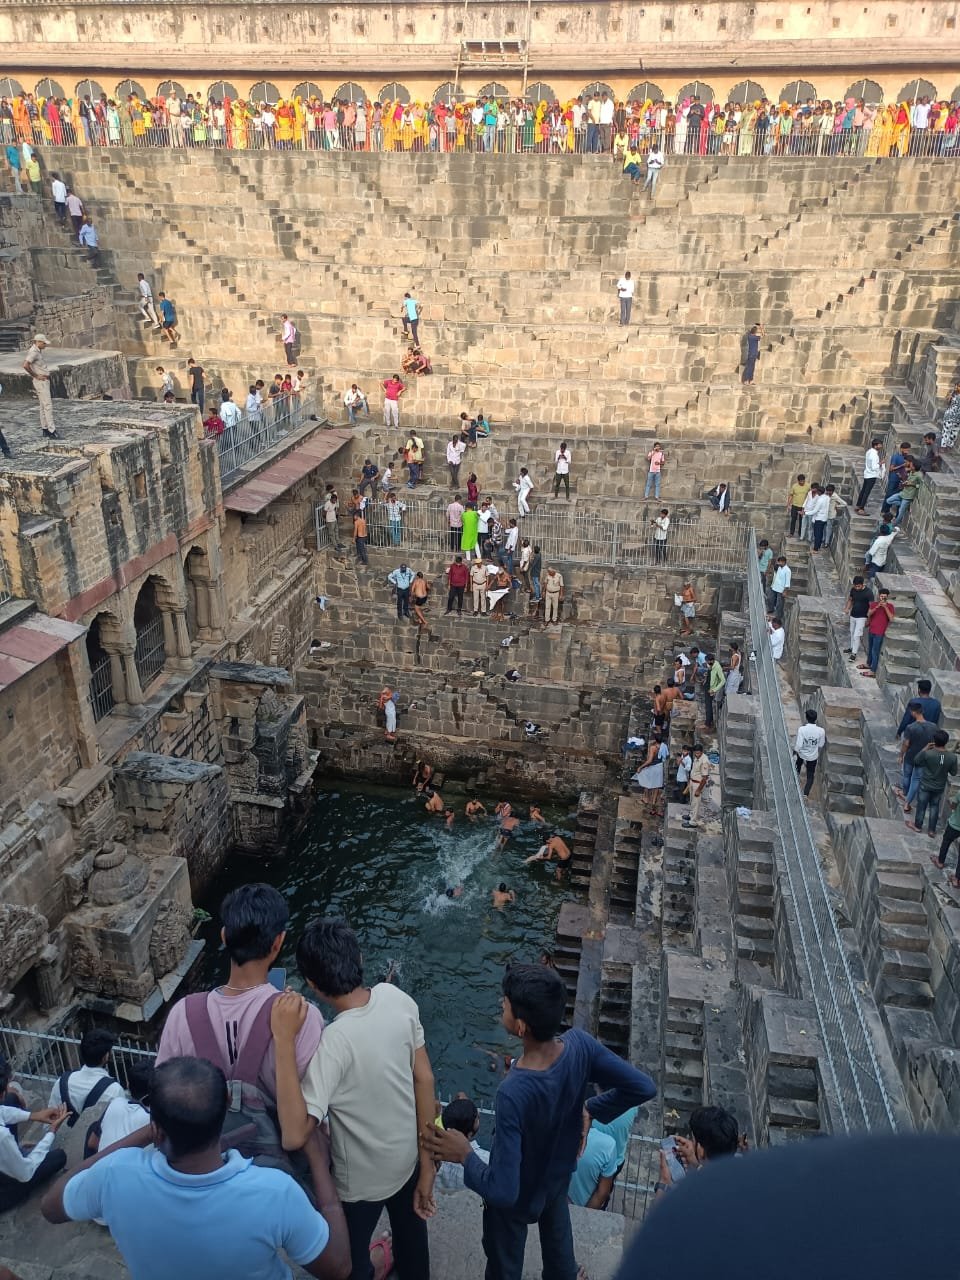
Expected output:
{"points": [[562, 535], [821, 136], [255, 433], [42, 1057], [849, 1057], [150, 653], [101, 689]]}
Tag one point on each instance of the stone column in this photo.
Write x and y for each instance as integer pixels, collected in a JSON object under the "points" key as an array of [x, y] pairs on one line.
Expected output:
{"points": [[184, 647], [134, 688]]}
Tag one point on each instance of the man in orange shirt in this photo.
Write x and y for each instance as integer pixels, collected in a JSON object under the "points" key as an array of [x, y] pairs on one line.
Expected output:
{"points": [[360, 536]]}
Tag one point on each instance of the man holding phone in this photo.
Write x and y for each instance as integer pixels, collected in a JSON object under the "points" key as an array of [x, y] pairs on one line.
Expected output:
{"points": [[254, 921]]}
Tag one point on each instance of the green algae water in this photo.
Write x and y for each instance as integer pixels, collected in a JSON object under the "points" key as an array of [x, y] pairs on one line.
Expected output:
{"points": [[376, 859]]}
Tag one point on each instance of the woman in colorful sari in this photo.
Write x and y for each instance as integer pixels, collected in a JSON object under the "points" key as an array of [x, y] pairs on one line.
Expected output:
{"points": [[571, 136], [238, 125], [51, 114], [21, 120], [420, 136], [299, 122], [680, 133], [286, 118], [901, 131], [748, 129], [201, 125]]}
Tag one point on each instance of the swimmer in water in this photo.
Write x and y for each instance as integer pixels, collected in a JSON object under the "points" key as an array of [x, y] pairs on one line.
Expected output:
{"points": [[434, 803], [537, 816], [474, 809], [508, 824], [422, 775], [449, 815], [502, 895], [554, 848], [454, 891]]}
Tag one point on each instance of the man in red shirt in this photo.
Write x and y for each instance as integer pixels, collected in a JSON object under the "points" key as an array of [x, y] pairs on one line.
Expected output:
{"points": [[879, 616], [393, 389], [458, 576]]}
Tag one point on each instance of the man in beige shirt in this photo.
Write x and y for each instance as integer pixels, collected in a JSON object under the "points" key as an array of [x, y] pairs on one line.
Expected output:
{"points": [[478, 583], [699, 779], [371, 1078], [36, 366], [553, 591]]}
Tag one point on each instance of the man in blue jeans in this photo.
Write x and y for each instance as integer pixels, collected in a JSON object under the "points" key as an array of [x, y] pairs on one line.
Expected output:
{"points": [[935, 765], [879, 616], [543, 1115]]}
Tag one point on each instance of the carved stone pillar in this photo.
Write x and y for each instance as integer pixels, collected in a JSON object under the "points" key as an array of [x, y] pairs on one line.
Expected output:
{"points": [[184, 647], [134, 688]]}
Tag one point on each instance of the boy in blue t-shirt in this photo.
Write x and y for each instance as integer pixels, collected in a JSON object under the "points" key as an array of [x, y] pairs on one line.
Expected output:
{"points": [[541, 1125]]}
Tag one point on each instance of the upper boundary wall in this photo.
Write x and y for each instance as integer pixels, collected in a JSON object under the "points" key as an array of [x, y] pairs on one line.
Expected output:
{"points": [[837, 41]]}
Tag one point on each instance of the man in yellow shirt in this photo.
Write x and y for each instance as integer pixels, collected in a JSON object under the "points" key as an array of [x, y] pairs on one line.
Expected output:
{"points": [[796, 497]]}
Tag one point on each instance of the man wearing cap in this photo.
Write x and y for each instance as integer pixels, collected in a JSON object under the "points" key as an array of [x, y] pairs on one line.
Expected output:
{"points": [[36, 366], [699, 778]]}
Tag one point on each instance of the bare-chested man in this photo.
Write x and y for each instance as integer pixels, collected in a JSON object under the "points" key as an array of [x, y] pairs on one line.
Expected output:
{"points": [[537, 816], [508, 823], [502, 895], [554, 848], [434, 802], [474, 809]]}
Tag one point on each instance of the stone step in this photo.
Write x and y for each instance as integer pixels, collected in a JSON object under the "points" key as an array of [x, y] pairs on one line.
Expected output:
{"points": [[904, 963], [904, 937], [902, 911], [906, 993]]}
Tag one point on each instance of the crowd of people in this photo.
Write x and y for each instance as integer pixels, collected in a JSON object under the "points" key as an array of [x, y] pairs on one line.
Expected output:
{"points": [[595, 121], [329, 1122]]}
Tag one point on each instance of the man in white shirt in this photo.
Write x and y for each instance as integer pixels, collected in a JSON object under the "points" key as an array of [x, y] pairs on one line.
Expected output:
{"points": [[288, 336], [777, 638], [229, 413], [510, 544], [654, 167], [606, 122], [456, 448], [920, 115], [872, 471], [810, 742], [779, 585], [147, 309], [21, 1172], [806, 519], [523, 485], [90, 1083], [661, 528], [819, 515], [562, 473], [455, 511], [593, 124], [355, 399], [58, 189], [372, 1064], [625, 290], [176, 120], [75, 210]]}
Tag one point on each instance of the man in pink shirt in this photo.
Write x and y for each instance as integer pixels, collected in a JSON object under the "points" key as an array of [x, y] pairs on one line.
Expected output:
{"points": [[655, 460], [393, 389], [255, 919]]}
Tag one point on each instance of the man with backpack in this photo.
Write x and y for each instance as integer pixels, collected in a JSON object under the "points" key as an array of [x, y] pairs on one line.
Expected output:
{"points": [[92, 1082], [231, 1024]]}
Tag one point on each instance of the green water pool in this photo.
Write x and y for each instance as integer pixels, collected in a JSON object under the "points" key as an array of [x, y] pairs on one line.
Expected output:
{"points": [[376, 859]]}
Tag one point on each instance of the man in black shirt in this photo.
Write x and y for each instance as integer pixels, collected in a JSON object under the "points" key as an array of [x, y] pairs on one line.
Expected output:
{"points": [[195, 374], [858, 602], [694, 120]]}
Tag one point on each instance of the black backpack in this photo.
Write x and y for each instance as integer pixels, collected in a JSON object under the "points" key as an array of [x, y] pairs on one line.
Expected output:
{"points": [[91, 1100]]}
